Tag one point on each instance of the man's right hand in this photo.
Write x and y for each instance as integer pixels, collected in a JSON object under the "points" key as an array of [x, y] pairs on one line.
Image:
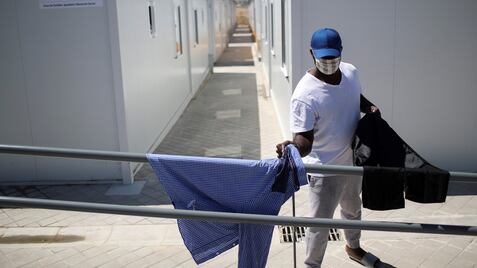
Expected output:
{"points": [[302, 141], [281, 147]]}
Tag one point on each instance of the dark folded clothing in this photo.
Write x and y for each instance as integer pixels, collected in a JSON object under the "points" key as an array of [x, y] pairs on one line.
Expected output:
{"points": [[383, 188], [427, 184], [378, 146]]}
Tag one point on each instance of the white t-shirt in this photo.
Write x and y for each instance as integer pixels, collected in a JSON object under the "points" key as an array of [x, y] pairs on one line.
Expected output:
{"points": [[332, 112]]}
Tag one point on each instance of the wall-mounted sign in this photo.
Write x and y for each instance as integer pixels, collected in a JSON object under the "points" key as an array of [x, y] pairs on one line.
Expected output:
{"points": [[70, 3]]}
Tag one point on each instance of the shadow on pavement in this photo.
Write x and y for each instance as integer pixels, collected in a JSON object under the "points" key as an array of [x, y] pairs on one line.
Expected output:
{"points": [[385, 265], [152, 193]]}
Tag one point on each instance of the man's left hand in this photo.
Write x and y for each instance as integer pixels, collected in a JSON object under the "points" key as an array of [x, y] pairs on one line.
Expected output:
{"points": [[373, 109]]}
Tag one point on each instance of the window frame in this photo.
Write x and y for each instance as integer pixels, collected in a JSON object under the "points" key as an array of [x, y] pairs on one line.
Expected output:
{"points": [[284, 33], [272, 29], [178, 31], [265, 24], [196, 28], [152, 19]]}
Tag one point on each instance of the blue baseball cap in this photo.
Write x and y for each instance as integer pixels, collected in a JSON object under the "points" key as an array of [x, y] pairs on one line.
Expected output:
{"points": [[326, 42]]}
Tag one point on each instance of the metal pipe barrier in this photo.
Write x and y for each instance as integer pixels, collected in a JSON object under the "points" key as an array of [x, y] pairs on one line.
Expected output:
{"points": [[239, 217], [218, 216], [137, 157]]}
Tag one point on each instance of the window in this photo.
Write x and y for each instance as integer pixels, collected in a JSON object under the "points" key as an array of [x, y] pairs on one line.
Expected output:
{"points": [[196, 21], [152, 19], [178, 26], [266, 24], [272, 35], [284, 40]]}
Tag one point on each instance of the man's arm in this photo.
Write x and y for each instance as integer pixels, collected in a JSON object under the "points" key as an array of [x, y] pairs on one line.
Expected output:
{"points": [[303, 141], [366, 106]]}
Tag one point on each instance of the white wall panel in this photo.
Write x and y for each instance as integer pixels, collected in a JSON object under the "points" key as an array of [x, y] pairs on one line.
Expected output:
{"points": [[281, 88], [68, 80], [265, 41], [14, 117], [255, 10], [251, 9], [96, 78], [220, 32], [415, 62], [224, 16], [199, 51], [155, 81], [435, 93]]}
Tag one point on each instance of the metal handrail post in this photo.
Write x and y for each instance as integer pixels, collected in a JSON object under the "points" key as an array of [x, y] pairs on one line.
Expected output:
{"points": [[294, 231]]}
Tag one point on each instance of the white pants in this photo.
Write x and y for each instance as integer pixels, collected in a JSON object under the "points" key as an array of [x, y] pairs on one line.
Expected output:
{"points": [[325, 194]]}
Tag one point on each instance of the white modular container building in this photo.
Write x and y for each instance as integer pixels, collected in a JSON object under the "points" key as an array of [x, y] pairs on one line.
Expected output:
{"points": [[110, 75], [415, 60], [224, 19]]}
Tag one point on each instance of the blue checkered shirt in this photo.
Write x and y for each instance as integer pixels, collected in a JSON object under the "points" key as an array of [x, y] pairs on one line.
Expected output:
{"points": [[229, 185]]}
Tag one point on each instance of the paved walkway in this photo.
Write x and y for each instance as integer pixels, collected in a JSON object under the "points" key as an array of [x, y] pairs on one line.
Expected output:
{"points": [[230, 117]]}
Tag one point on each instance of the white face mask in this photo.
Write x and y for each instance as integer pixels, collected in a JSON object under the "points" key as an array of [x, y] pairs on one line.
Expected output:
{"points": [[328, 66]]}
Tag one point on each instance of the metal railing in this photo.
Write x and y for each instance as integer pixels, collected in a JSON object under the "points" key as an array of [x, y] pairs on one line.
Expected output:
{"points": [[238, 217], [222, 216], [138, 157]]}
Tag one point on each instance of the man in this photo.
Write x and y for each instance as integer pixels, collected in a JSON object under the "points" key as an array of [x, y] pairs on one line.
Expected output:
{"points": [[325, 110]]}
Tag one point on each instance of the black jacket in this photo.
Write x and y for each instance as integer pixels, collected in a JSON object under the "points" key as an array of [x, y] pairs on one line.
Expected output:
{"points": [[391, 167]]}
